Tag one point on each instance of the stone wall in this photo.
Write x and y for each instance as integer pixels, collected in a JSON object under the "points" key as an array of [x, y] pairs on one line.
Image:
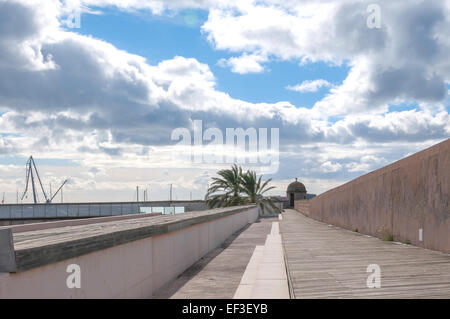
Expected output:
{"points": [[399, 201], [302, 206], [133, 269]]}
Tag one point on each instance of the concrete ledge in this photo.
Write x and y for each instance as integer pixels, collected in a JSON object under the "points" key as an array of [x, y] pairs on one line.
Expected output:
{"points": [[42, 247], [7, 259], [265, 275], [73, 222], [134, 269], [245, 288]]}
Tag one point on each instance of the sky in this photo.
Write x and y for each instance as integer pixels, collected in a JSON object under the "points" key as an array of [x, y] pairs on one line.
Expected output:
{"points": [[97, 91]]}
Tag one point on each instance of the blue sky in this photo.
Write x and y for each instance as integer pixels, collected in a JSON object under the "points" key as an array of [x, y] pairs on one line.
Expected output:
{"points": [[99, 104], [160, 38]]}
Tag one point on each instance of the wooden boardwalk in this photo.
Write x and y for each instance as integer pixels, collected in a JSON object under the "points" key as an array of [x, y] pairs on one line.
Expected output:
{"points": [[324, 261]]}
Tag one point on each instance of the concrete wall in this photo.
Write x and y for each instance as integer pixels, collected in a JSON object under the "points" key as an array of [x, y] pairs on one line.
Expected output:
{"points": [[398, 200], [27, 212], [302, 206], [133, 270]]}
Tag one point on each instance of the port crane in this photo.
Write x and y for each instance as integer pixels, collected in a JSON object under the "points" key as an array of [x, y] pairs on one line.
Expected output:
{"points": [[31, 171]]}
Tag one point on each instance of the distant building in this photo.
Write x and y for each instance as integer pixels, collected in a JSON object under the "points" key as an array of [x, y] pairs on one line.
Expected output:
{"points": [[309, 196], [295, 191]]}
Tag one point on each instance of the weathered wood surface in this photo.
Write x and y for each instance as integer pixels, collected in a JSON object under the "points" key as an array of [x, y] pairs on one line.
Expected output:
{"points": [[42, 247], [218, 274], [329, 262]]}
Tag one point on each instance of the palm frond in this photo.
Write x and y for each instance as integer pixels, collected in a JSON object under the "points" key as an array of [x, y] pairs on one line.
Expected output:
{"points": [[234, 187]]}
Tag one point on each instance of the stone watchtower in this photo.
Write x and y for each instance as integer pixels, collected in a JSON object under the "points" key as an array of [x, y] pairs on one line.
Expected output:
{"points": [[295, 191]]}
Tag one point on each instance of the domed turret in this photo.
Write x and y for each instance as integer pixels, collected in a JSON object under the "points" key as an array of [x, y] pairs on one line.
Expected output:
{"points": [[295, 191], [296, 187]]}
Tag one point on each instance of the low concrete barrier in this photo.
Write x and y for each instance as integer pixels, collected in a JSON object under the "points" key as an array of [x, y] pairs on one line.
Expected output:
{"points": [[130, 258], [407, 201]]}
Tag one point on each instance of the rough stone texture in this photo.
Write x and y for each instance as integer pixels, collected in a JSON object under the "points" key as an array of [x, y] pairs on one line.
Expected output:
{"points": [[396, 200], [325, 261], [46, 246], [20, 228], [135, 269]]}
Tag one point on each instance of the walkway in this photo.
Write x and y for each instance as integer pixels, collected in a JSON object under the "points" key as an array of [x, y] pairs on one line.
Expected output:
{"points": [[323, 261], [265, 276], [329, 262], [218, 274]]}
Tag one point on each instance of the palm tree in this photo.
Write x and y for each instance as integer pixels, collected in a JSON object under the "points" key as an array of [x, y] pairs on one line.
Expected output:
{"points": [[254, 190], [234, 187], [229, 187]]}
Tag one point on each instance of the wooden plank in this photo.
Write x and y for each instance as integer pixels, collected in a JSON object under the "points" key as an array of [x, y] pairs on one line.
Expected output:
{"points": [[329, 262]]}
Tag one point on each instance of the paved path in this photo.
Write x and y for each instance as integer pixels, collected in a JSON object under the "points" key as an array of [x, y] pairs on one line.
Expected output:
{"points": [[328, 262], [265, 276], [218, 274]]}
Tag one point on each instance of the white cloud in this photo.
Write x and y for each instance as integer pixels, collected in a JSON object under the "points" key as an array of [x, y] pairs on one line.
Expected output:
{"points": [[159, 6], [388, 65], [246, 63], [309, 86], [330, 167], [366, 163], [71, 96]]}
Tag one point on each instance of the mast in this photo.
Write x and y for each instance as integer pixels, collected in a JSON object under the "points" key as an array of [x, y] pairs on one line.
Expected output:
{"points": [[30, 165], [39, 179], [32, 185]]}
